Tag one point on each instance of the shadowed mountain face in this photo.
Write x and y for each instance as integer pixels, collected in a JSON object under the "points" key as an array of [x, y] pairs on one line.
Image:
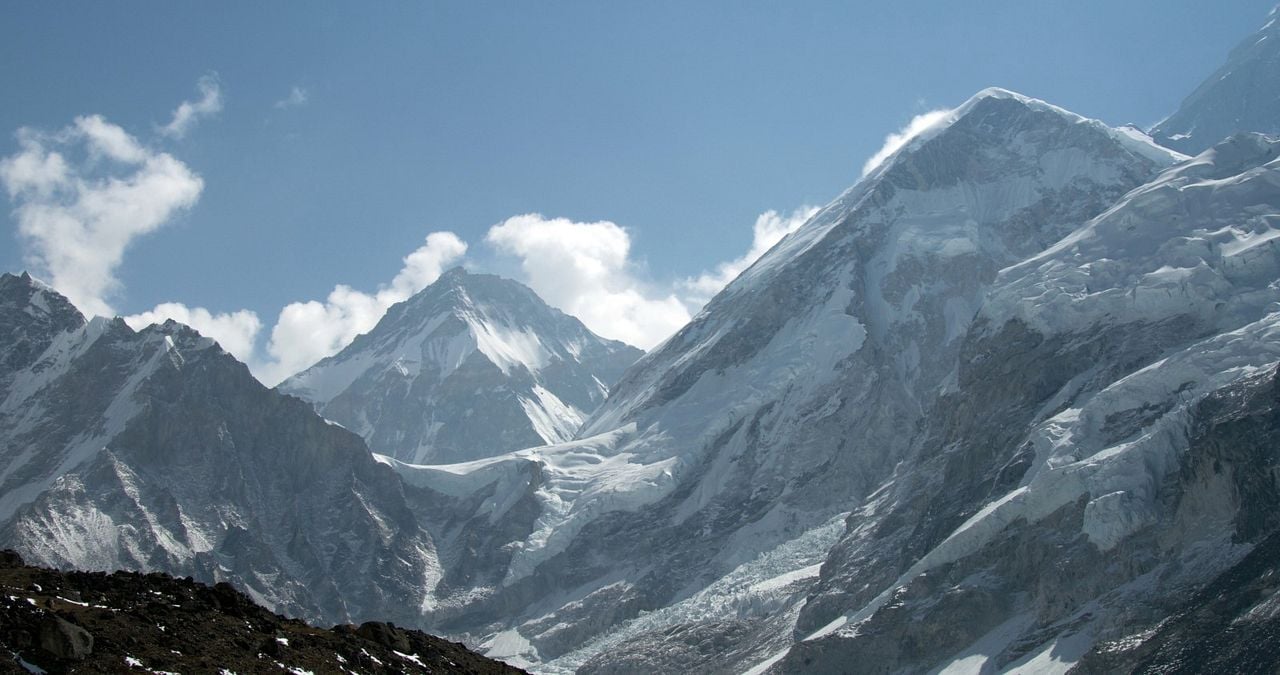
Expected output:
{"points": [[1242, 95], [156, 450], [470, 367]]}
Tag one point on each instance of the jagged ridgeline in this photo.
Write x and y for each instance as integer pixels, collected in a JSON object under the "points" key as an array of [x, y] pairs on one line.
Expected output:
{"points": [[156, 450], [57, 622]]}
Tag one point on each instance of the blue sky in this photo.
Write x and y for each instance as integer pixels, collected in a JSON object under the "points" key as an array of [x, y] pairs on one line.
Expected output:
{"points": [[343, 134]]}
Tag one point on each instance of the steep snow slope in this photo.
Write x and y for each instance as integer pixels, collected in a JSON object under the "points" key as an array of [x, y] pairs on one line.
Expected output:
{"points": [[472, 366], [156, 450], [786, 402], [1242, 95], [1074, 488]]}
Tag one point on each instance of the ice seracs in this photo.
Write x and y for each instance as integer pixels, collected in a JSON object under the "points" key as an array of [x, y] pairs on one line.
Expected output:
{"points": [[472, 366]]}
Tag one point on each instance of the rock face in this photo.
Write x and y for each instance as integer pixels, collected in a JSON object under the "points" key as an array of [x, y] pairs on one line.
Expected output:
{"points": [[695, 510], [156, 450], [97, 622], [1104, 453], [1242, 95], [472, 366], [31, 314]]}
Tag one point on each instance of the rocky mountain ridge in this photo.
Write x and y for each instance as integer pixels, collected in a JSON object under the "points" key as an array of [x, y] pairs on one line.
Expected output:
{"points": [[53, 621], [156, 450]]}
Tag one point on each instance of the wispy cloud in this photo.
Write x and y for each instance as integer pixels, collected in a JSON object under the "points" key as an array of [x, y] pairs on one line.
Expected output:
{"points": [[770, 227], [585, 269], [188, 113], [82, 194], [298, 96], [894, 141]]}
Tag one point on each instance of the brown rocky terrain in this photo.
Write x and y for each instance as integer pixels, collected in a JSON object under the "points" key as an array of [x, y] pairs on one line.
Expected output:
{"points": [[94, 622]]}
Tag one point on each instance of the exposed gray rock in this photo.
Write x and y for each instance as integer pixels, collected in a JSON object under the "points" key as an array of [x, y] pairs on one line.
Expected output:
{"points": [[63, 639]]}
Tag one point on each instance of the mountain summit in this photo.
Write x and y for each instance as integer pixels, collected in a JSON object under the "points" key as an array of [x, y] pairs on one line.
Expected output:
{"points": [[472, 366], [1242, 95], [156, 450], [686, 524]]}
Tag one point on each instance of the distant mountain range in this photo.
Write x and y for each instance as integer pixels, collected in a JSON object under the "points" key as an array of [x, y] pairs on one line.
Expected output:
{"points": [[1010, 402]]}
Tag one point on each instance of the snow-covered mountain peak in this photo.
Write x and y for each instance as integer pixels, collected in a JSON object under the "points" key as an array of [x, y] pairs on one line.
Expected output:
{"points": [[1002, 177], [34, 297], [31, 315], [471, 366], [466, 290], [997, 153], [1242, 95], [1006, 120], [155, 450]]}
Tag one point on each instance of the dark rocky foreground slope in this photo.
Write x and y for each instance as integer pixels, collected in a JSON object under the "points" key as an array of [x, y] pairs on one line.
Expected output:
{"points": [[94, 622]]}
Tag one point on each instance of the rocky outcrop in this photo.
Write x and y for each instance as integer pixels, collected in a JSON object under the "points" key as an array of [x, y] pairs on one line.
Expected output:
{"points": [[98, 622]]}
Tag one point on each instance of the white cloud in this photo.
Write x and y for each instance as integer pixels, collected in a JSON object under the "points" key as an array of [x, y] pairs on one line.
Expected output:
{"points": [[188, 113], [76, 218], [769, 229], [237, 332], [105, 139], [306, 332], [585, 270], [894, 141], [297, 96]]}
